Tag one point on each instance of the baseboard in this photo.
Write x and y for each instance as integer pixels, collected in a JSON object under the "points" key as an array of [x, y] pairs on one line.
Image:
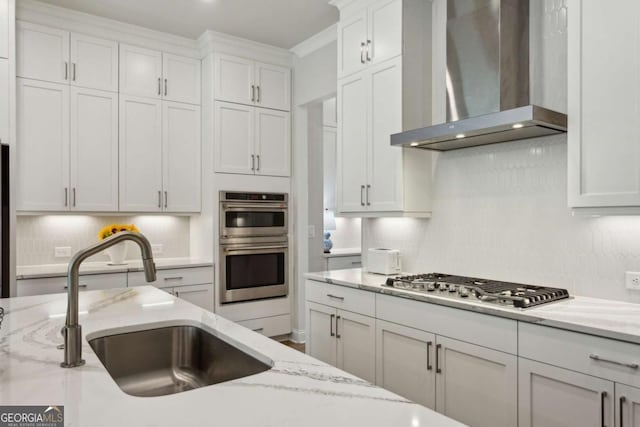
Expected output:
{"points": [[298, 336]]}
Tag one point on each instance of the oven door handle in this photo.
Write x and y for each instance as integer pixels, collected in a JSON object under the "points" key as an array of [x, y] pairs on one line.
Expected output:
{"points": [[257, 206], [253, 248]]}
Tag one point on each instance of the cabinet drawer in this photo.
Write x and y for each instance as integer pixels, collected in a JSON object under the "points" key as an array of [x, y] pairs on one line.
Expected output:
{"points": [[475, 328], [344, 262], [341, 297], [54, 285], [269, 326], [174, 277], [573, 350]]}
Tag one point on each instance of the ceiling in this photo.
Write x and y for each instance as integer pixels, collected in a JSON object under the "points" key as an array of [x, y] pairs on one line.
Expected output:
{"points": [[282, 23]]}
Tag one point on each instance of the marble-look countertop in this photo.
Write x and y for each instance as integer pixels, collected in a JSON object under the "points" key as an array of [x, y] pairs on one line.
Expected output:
{"points": [[601, 317], [342, 252], [297, 391], [60, 270]]}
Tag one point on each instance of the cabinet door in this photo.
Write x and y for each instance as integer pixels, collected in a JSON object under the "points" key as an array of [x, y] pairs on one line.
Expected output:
{"points": [[94, 150], [42, 183], [273, 86], [385, 118], [234, 138], [352, 43], [4, 28], [604, 131], [181, 79], [140, 154], [4, 100], [356, 340], [470, 379], [555, 397], [42, 53], [405, 362], [94, 63], [140, 71], [200, 295], [321, 339], [352, 144], [628, 406], [181, 157], [234, 79], [384, 31], [273, 142]]}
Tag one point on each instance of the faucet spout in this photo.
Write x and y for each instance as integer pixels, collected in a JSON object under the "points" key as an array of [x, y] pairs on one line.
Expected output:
{"points": [[72, 330]]}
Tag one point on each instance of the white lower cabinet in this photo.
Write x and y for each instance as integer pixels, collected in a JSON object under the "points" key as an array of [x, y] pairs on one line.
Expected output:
{"points": [[343, 339], [200, 295], [556, 397], [56, 285], [628, 406]]}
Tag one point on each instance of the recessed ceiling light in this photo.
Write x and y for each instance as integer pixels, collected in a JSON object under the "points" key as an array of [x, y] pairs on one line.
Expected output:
{"points": [[460, 135], [414, 144], [518, 126]]}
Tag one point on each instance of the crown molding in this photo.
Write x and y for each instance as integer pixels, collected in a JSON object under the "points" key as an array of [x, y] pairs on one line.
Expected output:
{"points": [[72, 20], [316, 41], [212, 41]]}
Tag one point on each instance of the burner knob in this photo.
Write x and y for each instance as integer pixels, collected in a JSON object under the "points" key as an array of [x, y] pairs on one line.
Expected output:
{"points": [[453, 288], [463, 292], [443, 287], [431, 286]]}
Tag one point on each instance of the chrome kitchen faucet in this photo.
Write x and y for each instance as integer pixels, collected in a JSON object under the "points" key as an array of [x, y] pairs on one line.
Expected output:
{"points": [[72, 331]]}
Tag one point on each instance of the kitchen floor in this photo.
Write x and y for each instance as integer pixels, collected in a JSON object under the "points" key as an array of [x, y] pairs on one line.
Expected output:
{"points": [[296, 346]]}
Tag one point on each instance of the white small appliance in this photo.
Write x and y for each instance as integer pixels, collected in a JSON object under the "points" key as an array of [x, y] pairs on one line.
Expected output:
{"points": [[383, 261]]}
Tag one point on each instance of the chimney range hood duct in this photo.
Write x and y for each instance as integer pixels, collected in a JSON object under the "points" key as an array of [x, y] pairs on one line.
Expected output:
{"points": [[487, 79]]}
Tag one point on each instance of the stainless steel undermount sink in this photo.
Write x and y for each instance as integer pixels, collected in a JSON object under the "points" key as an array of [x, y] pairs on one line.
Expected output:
{"points": [[169, 360]]}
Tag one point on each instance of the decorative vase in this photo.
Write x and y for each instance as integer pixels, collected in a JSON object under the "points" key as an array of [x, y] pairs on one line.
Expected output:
{"points": [[117, 253]]}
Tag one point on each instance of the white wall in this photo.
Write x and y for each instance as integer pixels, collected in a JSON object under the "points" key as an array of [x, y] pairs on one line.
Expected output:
{"points": [[500, 212]]}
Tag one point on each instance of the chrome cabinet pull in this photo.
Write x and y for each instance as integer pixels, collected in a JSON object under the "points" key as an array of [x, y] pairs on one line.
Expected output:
{"points": [[331, 325], [429, 365], [253, 93], [74, 197], [166, 87], [253, 162], [159, 199], [80, 286], [73, 66], [66, 196], [438, 370], [603, 397], [258, 96], [368, 188], [166, 279], [362, 195], [335, 297], [258, 329], [368, 50], [159, 86], [613, 362], [66, 71], [623, 400], [337, 322], [166, 199], [258, 168], [362, 45]]}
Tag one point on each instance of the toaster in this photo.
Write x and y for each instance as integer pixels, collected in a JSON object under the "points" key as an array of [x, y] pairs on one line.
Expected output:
{"points": [[383, 261]]}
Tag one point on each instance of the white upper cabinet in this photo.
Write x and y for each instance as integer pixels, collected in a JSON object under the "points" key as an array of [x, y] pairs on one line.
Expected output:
{"points": [[4, 100], [234, 135], [181, 157], [94, 150], [42, 53], [244, 81], [273, 86], [181, 79], [140, 72], [604, 103], [94, 63], [4, 28], [140, 154], [42, 182], [272, 142], [369, 36], [234, 79]]}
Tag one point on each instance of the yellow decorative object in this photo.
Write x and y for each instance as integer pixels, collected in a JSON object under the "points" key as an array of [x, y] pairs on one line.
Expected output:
{"points": [[112, 229]]}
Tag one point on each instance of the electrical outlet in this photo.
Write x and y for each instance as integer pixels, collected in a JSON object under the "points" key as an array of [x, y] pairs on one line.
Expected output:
{"points": [[62, 251], [633, 280], [311, 231], [157, 248]]}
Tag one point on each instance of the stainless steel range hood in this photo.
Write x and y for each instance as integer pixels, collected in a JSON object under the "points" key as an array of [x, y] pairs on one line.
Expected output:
{"points": [[488, 80]]}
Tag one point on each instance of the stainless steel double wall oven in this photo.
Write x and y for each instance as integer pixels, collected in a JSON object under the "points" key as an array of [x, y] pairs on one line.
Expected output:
{"points": [[254, 246]]}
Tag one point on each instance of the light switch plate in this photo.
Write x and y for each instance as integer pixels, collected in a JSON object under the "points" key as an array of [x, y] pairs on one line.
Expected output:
{"points": [[62, 251], [632, 280], [157, 248]]}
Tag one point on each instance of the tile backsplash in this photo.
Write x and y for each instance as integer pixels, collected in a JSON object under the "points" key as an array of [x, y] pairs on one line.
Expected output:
{"points": [[37, 236], [501, 212]]}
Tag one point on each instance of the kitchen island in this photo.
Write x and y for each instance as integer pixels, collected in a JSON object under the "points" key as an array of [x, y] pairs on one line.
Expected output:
{"points": [[297, 391]]}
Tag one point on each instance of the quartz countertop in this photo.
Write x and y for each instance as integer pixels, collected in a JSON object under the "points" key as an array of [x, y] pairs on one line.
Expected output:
{"points": [[60, 270], [297, 391], [601, 317], [343, 252]]}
